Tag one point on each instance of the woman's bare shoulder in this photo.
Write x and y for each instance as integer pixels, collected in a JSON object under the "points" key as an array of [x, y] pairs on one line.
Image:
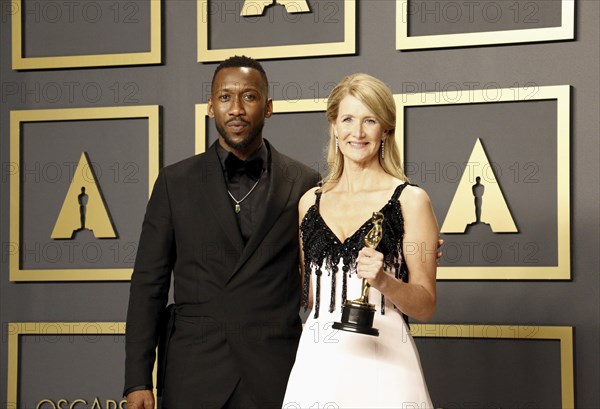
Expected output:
{"points": [[414, 197], [307, 200]]}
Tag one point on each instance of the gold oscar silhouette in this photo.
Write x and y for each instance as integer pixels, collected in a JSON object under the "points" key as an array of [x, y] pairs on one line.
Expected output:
{"points": [[84, 207], [357, 315], [257, 7], [492, 213]]}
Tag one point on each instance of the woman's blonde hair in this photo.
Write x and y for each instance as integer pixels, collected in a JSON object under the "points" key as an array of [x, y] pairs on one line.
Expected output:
{"points": [[378, 98]]}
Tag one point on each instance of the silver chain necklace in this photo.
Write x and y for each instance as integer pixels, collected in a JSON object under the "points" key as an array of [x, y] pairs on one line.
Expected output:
{"points": [[237, 202]]}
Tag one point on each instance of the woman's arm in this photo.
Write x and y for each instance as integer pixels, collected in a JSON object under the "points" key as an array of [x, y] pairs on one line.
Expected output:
{"points": [[417, 298]]}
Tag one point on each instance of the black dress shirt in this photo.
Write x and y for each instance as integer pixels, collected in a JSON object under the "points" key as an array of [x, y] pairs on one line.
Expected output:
{"points": [[240, 184]]}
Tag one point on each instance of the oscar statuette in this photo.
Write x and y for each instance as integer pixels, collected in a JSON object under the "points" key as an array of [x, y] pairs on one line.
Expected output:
{"points": [[357, 315]]}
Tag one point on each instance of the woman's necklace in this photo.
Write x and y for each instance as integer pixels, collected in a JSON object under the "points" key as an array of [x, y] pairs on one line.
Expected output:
{"points": [[237, 202]]}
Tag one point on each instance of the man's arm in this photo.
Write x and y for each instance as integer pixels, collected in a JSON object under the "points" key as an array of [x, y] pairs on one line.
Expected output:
{"points": [[149, 287]]}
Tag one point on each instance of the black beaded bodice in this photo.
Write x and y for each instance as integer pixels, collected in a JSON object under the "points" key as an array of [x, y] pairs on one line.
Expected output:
{"points": [[323, 250]]}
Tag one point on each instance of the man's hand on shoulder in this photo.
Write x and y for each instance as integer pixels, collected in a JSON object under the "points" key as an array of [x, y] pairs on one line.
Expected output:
{"points": [[140, 400]]}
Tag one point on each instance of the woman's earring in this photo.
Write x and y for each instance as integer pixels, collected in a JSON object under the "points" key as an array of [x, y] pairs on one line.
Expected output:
{"points": [[337, 147], [382, 148]]}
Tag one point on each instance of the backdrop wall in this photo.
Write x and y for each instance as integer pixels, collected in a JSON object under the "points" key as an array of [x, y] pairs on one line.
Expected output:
{"points": [[518, 313]]}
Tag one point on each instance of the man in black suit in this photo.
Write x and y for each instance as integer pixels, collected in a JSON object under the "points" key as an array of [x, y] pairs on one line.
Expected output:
{"points": [[224, 223]]}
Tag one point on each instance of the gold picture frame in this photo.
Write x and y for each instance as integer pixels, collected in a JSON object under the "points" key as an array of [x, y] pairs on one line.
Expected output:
{"points": [[560, 93], [17, 329], [20, 62], [347, 46], [515, 332], [16, 273], [566, 31]]}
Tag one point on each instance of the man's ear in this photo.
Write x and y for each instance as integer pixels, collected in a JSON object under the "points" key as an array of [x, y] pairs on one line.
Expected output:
{"points": [[269, 110], [211, 112]]}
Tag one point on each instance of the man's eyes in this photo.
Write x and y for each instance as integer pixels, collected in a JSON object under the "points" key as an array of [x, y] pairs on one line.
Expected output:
{"points": [[246, 97]]}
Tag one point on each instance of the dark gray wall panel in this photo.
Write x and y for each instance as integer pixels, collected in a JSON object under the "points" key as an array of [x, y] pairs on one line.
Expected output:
{"points": [[56, 367], [450, 16], [59, 28], [519, 139], [500, 373], [325, 23], [118, 152]]}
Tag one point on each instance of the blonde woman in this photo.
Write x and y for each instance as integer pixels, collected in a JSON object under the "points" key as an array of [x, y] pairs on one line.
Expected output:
{"points": [[339, 369]]}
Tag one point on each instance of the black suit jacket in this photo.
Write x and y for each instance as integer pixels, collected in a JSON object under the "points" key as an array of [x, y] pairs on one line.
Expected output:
{"points": [[237, 306]]}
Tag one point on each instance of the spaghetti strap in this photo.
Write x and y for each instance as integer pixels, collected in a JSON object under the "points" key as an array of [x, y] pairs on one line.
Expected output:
{"points": [[318, 199], [399, 189]]}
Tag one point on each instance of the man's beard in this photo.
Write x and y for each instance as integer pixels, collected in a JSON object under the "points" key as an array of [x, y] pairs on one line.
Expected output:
{"points": [[245, 143]]}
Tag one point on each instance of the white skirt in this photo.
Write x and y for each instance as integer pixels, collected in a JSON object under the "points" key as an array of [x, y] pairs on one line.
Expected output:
{"points": [[339, 369]]}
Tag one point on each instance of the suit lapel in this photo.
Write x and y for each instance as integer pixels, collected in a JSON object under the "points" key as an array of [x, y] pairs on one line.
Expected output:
{"points": [[277, 198], [214, 191]]}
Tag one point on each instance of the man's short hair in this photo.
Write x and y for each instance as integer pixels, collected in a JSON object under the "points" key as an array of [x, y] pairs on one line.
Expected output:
{"points": [[239, 61]]}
